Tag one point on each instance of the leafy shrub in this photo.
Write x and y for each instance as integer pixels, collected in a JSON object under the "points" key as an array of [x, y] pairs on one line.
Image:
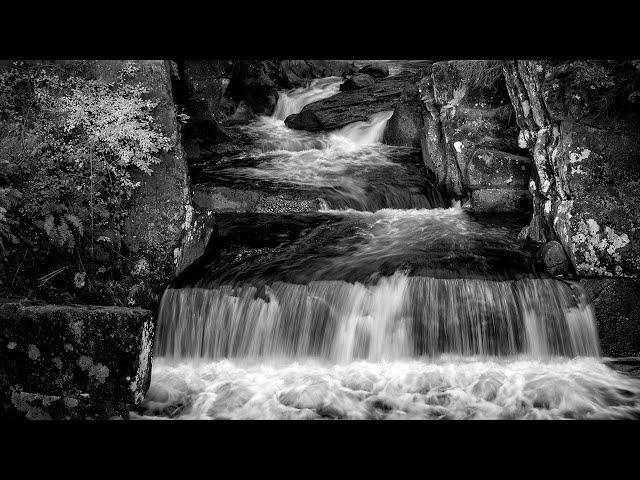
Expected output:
{"points": [[71, 149]]}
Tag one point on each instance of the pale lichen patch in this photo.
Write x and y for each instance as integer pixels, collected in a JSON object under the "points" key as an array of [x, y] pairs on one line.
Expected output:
{"points": [[575, 157], [99, 372], [595, 246], [34, 352]]}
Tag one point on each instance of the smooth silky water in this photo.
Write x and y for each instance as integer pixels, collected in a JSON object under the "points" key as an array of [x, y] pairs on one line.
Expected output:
{"points": [[389, 304]]}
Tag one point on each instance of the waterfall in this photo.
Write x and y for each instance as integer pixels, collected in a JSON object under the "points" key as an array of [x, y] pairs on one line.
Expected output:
{"points": [[399, 317], [364, 133], [293, 101], [384, 304]]}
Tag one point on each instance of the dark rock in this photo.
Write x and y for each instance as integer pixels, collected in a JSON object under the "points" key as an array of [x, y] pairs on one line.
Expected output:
{"points": [[616, 303], [489, 168], [375, 69], [553, 257], [67, 355], [405, 127], [602, 172], [494, 200], [584, 136], [351, 106], [296, 73], [356, 82], [459, 118]]}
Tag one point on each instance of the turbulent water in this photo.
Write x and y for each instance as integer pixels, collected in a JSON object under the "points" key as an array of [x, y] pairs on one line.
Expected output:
{"points": [[389, 302], [446, 388], [347, 168], [398, 317], [294, 100]]}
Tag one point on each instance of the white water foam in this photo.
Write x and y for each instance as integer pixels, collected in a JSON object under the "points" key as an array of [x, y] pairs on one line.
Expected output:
{"points": [[446, 388], [293, 101], [337, 160]]}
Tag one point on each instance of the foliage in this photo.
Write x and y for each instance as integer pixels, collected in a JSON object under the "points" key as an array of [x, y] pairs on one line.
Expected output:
{"points": [[479, 73], [72, 150]]}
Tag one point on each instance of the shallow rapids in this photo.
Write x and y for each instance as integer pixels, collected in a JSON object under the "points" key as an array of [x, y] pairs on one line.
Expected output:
{"points": [[346, 168]]}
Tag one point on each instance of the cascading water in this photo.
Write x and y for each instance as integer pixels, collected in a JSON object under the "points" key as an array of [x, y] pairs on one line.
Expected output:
{"points": [[294, 100], [384, 304]]}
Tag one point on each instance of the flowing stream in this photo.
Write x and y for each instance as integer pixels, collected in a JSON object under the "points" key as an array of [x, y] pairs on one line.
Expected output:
{"points": [[388, 302]]}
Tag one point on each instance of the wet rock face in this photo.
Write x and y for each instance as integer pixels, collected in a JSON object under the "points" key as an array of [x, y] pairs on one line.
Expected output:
{"points": [[351, 106], [616, 303], [95, 358]]}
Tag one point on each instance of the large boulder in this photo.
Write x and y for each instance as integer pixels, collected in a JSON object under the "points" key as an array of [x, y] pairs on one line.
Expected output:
{"points": [[405, 126], [356, 82], [375, 69], [616, 304], [55, 358], [351, 106]]}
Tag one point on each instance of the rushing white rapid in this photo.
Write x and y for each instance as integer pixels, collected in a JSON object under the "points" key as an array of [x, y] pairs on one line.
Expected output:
{"points": [[294, 100], [445, 388], [342, 165], [402, 342]]}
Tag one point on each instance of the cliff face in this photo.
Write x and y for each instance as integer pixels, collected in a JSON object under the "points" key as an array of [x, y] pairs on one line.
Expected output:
{"points": [[469, 140], [580, 121], [160, 210]]}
